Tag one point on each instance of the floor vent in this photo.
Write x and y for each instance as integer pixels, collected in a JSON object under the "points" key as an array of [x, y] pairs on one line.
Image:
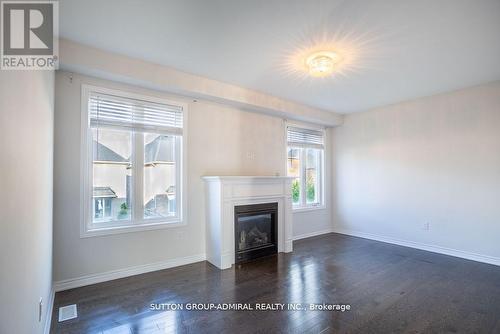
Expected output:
{"points": [[67, 312]]}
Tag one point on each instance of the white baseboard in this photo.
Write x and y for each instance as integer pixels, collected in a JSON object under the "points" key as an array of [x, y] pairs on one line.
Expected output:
{"points": [[50, 308], [430, 248], [121, 273], [312, 234]]}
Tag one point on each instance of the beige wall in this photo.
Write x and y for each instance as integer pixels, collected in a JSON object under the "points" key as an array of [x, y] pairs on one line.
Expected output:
{"points": [[222, 140], [26, 146], [432, 160]]}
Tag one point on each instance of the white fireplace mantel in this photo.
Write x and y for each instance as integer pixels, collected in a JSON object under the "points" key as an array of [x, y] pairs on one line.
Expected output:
{"points": [[223, 193]]}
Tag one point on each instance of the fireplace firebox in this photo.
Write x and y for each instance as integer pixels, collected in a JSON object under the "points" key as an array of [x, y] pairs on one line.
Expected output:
{"points": [[255, 231]]}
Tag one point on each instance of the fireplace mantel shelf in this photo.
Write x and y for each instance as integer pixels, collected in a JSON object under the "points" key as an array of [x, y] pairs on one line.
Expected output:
{"points": [[224, 193], [240, 177]]}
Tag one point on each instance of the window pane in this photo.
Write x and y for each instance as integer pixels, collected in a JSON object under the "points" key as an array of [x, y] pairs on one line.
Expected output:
{"points": [[111, 151], [294, 170], [312, 175], [159, 176]]}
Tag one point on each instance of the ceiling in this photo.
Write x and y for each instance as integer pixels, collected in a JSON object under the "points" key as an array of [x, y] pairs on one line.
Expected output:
{"points": [[393, 50]]}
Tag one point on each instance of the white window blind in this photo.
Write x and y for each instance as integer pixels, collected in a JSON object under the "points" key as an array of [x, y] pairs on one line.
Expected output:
{"points": [[300, 137], [143, 116]]}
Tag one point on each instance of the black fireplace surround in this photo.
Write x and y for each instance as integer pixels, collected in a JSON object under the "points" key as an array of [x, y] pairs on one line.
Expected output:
{"points": [[255, 231]]}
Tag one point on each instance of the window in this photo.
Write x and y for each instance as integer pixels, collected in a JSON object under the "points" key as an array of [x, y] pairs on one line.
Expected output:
{"points": [[305, 163], [133, 150]]}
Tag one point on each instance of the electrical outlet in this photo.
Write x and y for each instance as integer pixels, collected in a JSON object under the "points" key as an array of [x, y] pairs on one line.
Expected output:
{"points": [[40, 309], [250, 155], [426, 226]]}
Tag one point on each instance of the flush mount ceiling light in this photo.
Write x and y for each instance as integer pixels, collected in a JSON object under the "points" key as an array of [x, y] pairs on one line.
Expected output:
{"points": [[329, 54], [322, 63]]}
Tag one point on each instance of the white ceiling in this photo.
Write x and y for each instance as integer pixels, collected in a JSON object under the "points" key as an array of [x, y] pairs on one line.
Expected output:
{"points": [[394, 50]]}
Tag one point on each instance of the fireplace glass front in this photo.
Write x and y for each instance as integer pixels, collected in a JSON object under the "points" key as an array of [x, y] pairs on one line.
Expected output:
{"points": [[255, 231]]}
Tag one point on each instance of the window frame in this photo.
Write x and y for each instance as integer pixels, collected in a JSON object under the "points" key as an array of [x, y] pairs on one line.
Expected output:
{"points": [[137, 222], [303, 206]]}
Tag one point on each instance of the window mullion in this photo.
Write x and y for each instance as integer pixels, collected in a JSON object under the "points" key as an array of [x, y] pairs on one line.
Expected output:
{"points": [[303, 176], [320, 179], [138, 176], [90, 179], [178, 178]]}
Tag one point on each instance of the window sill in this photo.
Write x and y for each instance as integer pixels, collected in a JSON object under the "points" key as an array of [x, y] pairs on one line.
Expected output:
{"points": [[299, 209], [130, 228]]}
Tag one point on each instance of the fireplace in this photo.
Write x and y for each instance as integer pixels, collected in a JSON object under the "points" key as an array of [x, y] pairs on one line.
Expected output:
{"points": [[255, 231], [231, 198]]}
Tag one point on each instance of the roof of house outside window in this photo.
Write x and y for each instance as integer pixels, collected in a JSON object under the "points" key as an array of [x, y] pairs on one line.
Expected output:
{"points": [[103, 192], [103, 153], [160, 150]]}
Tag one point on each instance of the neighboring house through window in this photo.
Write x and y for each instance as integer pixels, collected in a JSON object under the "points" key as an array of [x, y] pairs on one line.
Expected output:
{"points": [[103, 196], [305, 154], [134, 154]]}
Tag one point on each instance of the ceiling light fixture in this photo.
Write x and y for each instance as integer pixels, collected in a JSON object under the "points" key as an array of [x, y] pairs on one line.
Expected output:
{"points": [[322, 63]]}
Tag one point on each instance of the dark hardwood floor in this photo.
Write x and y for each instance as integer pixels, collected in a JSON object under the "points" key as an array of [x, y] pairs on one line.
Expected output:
{"points": [[390, 289]]}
